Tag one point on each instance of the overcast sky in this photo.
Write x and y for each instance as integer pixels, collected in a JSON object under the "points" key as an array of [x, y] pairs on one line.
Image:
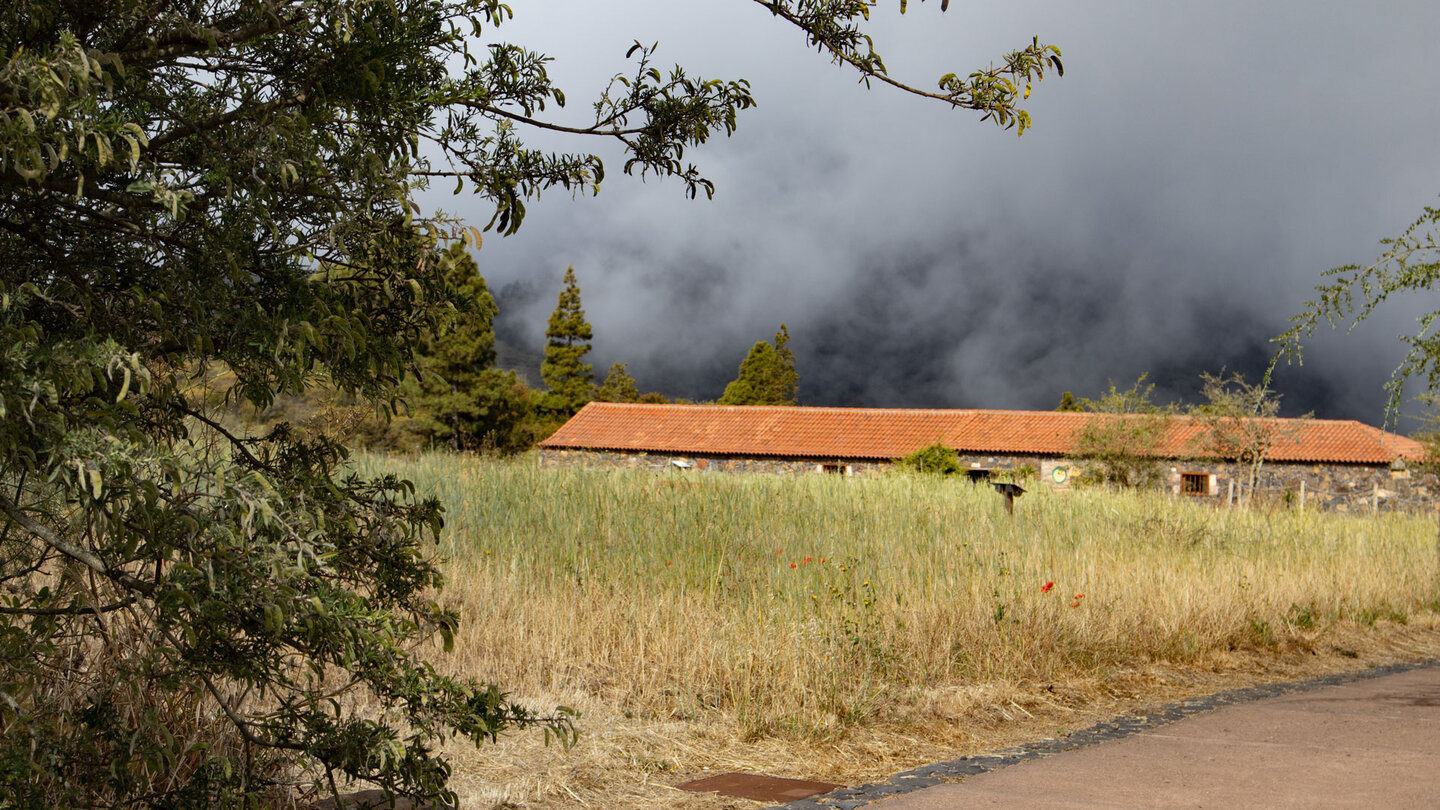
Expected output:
{"points": [[1184, 185]]}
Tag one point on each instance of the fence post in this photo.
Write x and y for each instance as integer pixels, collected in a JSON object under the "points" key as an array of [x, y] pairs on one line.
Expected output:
{"points": [[1302, 494], [1375, 499], [1230, 497]]}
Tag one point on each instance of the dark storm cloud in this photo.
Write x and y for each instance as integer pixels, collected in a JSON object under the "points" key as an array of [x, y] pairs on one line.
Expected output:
{"points": [[1184, 186]]}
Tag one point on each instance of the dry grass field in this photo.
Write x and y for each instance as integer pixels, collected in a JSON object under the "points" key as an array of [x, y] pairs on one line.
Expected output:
{"points": [[844, 629]]}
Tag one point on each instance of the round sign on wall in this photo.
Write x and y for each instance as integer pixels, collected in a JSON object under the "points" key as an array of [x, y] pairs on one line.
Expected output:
{"points": [[1060, 474]]}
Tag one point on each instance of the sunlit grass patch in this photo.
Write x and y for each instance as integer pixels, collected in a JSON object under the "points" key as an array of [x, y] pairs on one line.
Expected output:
{"points": [[804, 609]]}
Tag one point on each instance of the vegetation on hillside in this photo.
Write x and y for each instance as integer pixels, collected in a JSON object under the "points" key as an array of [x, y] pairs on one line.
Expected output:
{"points": [[457, 399]]}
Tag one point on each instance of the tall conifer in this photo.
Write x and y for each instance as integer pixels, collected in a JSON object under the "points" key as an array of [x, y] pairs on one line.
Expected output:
{"points": [[459, 399], [567, 342], [785, 385], [619, 386], [767, 375]]}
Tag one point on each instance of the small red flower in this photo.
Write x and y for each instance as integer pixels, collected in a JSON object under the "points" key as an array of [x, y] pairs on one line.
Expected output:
{"points": [[1079, 596], [806, 561], [667, 562], [1047, 587], [822, 559], [792, 565]]}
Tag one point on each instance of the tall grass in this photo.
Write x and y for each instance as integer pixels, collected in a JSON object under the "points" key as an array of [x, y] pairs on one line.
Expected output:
{"points": [[802, 606]]}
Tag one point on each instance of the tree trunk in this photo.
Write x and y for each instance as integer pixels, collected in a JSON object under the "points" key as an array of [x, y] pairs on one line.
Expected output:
{"points": [[455, 424], [1255, 475]]}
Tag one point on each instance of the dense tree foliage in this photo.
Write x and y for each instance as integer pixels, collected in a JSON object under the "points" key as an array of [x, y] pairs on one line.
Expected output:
{"points": [[458, 398], [785, 382], [767, 375], [567, 341], [751, 385], [186, 611], [619, 386]]}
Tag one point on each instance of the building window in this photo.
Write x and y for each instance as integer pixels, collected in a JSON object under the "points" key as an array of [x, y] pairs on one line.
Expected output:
{"points": [[1195, 483], [835, 469]]}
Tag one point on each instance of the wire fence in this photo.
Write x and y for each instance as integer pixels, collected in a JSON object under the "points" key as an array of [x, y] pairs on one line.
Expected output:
{"points": [[1406, 497]]}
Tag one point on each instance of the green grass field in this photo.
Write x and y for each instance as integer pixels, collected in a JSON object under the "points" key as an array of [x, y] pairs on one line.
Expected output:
{"points": [[801, 607]]}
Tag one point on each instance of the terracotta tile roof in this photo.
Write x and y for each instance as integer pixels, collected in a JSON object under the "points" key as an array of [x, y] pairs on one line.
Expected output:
{"points": [[885, 433]]}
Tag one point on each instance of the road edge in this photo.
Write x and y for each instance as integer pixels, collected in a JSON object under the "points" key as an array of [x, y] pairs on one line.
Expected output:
{"points": [[1118, 728]]}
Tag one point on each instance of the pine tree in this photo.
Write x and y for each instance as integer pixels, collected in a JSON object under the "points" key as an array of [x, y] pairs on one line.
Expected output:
{"points": [[748, 387], [459, 400], [619, 386], [785, 385], [767, 375], [567, 342]]}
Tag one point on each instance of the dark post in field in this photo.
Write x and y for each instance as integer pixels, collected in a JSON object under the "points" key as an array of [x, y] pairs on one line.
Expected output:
{"points": [[1011, 492]]}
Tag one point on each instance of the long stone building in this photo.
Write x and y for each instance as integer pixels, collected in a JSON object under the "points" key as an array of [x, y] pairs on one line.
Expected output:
{"points": [[1336, 464]]}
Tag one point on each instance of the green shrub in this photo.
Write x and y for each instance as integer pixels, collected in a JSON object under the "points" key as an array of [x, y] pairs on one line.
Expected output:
{"points": [[937, 459]]}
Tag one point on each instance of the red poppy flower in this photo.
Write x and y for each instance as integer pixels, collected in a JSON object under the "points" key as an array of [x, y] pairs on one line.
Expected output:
{"points": [[792, 565], [1047, 587], [667, 562]]}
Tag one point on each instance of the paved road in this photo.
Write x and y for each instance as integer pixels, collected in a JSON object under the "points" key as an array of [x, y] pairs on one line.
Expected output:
{"points": [[1372, 743]]}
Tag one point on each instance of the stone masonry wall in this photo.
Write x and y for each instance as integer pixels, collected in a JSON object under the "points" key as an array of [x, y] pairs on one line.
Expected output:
{"points": [[1338, 487], [608, 460]]}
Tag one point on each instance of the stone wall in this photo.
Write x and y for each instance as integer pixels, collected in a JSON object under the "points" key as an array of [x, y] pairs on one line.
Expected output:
{"points": [[608, 460], [611, 460], [1338, 487]]}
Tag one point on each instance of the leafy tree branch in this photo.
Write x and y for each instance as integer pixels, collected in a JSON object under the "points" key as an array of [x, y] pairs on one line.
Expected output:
{"points": [[1409, 264]]}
